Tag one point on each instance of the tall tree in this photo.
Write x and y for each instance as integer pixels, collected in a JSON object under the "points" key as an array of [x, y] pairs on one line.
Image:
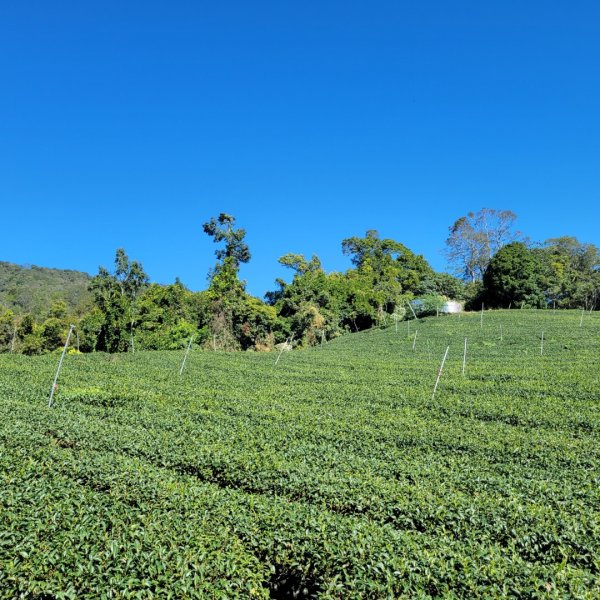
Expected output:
{"points": [[516, 275], [224, 276], [476, 237], [115, 295], [387, 267], [129, 275], [236, 320], [575, 272], [222, 229]]}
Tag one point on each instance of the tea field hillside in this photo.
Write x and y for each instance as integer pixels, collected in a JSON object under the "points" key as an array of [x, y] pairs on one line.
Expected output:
{"points": [[332, 474]]}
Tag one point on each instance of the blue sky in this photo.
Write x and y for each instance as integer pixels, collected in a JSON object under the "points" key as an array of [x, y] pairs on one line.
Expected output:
{"points": [[129, 124]]}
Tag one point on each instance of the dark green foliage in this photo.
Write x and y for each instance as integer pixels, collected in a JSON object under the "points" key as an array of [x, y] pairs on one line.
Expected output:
{"points": [[7, 328], [52, 334], [574, 269], [389, 266], [473, 295], [317, 305], [163, 318], [385, 269], [563, 273], [90, 328], [222, 229], [516, 276], [442, 284], [115, 296], [235, 320]]}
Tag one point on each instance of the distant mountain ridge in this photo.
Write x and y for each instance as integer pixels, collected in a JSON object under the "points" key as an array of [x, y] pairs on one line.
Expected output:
{"points": [[33, 289]]}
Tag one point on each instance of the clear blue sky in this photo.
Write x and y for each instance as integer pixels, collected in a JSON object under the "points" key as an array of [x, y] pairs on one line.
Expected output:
{"points": [[131, 123]]}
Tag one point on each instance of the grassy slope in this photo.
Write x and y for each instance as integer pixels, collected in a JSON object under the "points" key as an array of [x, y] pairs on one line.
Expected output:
{"points": [[34, 289], [333, 474]]}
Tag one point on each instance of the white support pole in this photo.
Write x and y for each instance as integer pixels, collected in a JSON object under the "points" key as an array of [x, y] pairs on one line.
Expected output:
{"points": [[415, 340], [412, 310], [287, 343], [60, 362], [501, 338], [439, 373], [581, 320], [464, 358], [186, 355]]}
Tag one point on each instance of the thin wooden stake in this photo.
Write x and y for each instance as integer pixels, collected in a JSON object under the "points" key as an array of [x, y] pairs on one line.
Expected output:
{"points": [[501, 333], [60, 362], [186, 355], [581, 320], [415, 340], [481, 322], [464, 358], [12, 343], [439, 373]]}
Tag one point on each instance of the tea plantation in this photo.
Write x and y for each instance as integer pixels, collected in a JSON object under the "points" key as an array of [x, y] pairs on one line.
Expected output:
{"points": [[332, 474]]}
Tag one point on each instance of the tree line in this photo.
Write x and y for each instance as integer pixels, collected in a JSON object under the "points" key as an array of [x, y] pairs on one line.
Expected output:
{"points": [[493, 264]]}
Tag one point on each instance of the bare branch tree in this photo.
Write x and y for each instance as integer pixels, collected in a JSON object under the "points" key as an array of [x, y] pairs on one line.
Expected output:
{"points": [[476, 237]]}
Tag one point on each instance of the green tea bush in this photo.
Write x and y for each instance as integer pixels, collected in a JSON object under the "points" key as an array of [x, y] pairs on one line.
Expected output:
{"points": [[329, 475]]}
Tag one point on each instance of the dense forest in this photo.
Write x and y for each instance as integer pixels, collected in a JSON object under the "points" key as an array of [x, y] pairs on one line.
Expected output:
{"points": [[119, 310], [33, 289]]}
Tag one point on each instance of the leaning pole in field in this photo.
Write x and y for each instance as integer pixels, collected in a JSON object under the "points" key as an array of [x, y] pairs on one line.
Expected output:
{"points": [[440, 373], [283, 347], [186, 355], [60, 362]]}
